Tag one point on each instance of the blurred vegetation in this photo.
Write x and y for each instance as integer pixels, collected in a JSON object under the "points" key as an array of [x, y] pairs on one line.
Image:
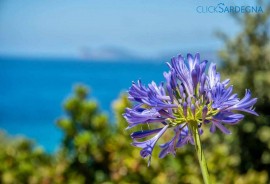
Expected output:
{"points": [[246, 60], [96, 149]]}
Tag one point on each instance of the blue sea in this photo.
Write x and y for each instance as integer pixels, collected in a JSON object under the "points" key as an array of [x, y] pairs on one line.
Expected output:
{"points": [[32, 91]]}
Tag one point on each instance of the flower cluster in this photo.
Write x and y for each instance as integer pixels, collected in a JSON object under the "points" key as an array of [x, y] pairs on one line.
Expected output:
{"points": [[190, 95]]}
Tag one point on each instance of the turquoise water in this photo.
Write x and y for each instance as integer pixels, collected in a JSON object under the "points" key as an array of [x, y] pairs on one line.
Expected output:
{"points": [[32, 91]]}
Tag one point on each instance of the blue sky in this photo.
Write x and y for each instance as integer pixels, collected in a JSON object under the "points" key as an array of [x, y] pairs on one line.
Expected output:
{"points": [[147, 28]]}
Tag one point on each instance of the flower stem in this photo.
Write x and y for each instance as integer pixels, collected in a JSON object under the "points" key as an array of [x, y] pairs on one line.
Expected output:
{"points": [[196, 136]]}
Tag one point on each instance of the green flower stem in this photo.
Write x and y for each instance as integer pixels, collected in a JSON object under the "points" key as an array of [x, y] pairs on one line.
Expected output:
{"points": [[196, 136]]}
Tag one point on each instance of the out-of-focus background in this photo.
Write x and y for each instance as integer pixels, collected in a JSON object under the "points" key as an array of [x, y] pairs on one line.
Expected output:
{"points": [[65, 67]]}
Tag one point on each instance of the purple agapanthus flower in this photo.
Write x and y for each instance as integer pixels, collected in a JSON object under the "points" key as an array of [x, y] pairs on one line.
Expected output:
{"points": [[190, 95]]}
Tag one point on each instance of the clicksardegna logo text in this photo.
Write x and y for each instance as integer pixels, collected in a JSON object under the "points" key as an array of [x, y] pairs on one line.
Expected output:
{"points": [[222, 8]]}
